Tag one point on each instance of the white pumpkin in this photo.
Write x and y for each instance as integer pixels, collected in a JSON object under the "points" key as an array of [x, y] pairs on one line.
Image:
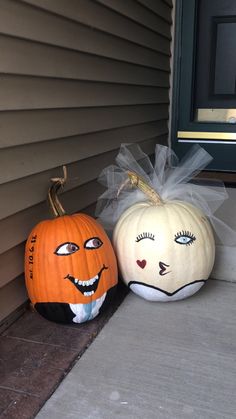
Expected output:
{"points": [[165, 250]]}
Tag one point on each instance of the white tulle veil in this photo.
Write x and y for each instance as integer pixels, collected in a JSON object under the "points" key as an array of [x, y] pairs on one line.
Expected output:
{"points": [[172, 180]]}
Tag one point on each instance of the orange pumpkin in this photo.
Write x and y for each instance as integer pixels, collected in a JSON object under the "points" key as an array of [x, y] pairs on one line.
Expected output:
{"points": [[70, 265]]}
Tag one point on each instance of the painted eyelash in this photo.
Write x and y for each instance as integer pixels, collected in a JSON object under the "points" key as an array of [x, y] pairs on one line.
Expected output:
{"points": [[187, 234], [145, 235]]}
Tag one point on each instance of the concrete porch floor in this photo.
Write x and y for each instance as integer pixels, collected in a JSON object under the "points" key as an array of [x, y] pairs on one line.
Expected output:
{"points": [[157, 360], [36, 355]]}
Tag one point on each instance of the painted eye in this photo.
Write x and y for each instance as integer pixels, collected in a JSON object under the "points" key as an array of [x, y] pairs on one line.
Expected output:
{"points": [[93, 243], [184, 237], [145, 235], [66, 249]]}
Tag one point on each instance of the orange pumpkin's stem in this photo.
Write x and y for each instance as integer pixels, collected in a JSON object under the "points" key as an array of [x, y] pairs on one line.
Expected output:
{"points": [[55, 205], [140, 183]]}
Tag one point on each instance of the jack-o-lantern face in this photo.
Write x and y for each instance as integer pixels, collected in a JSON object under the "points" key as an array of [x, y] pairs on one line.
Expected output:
{"points": [[70, 260], [165, 252]]}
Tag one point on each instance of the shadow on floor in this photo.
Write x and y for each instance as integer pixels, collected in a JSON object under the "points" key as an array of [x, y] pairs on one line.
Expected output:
{"points": [[35, 356]]}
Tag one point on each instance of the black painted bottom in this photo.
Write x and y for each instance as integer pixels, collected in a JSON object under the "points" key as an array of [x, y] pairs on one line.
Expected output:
{"points": [[61, 312]]}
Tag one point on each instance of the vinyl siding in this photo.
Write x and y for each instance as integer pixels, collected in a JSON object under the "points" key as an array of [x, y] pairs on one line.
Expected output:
{"points": [[77, 78]]}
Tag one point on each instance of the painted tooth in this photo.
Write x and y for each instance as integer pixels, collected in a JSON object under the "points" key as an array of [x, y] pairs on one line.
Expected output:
{"points": [[88, 293], [94, 279], [86, 283]]}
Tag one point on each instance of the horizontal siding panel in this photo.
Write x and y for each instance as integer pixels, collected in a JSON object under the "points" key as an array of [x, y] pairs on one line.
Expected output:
{"points": [[33, 158], [48, 61], [92, 43], [9, 271], [95, 15], [158, 7], [138, 13], [16, 228], [168, 2], [23, 127], [37, 93], [12, 296], [20, 20], [32, 189], [118, 50]]}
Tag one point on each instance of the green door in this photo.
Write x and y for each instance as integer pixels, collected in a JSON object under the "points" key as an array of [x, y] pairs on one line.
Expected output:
{"points": [[204, 88]]}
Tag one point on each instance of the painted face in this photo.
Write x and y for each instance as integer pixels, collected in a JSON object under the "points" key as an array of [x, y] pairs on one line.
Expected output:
{"points": [[70, 260], [164, 259], [87, 287]]}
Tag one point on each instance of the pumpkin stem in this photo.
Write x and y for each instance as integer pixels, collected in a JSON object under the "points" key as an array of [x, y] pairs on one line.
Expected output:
{"points": [[140, 183], [55, 205]]}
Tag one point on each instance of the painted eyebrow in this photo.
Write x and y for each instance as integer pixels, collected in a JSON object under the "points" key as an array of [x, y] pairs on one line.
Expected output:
{"points": [[145, 235]]}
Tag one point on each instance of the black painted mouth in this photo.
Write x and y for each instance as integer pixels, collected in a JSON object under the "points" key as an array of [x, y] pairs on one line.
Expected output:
{"points": [[170, 294], [88, 287]]}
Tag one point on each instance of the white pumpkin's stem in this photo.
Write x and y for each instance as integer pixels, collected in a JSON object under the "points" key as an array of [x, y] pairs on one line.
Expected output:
{"points": [[55, 205], [135, 180]]}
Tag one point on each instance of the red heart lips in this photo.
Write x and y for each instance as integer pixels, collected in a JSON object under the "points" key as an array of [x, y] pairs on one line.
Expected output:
{"points": [[141, 263]]}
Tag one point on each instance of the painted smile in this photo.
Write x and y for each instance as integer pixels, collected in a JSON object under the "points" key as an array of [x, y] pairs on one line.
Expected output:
{"points": [[88, 287], [163, 267]]}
